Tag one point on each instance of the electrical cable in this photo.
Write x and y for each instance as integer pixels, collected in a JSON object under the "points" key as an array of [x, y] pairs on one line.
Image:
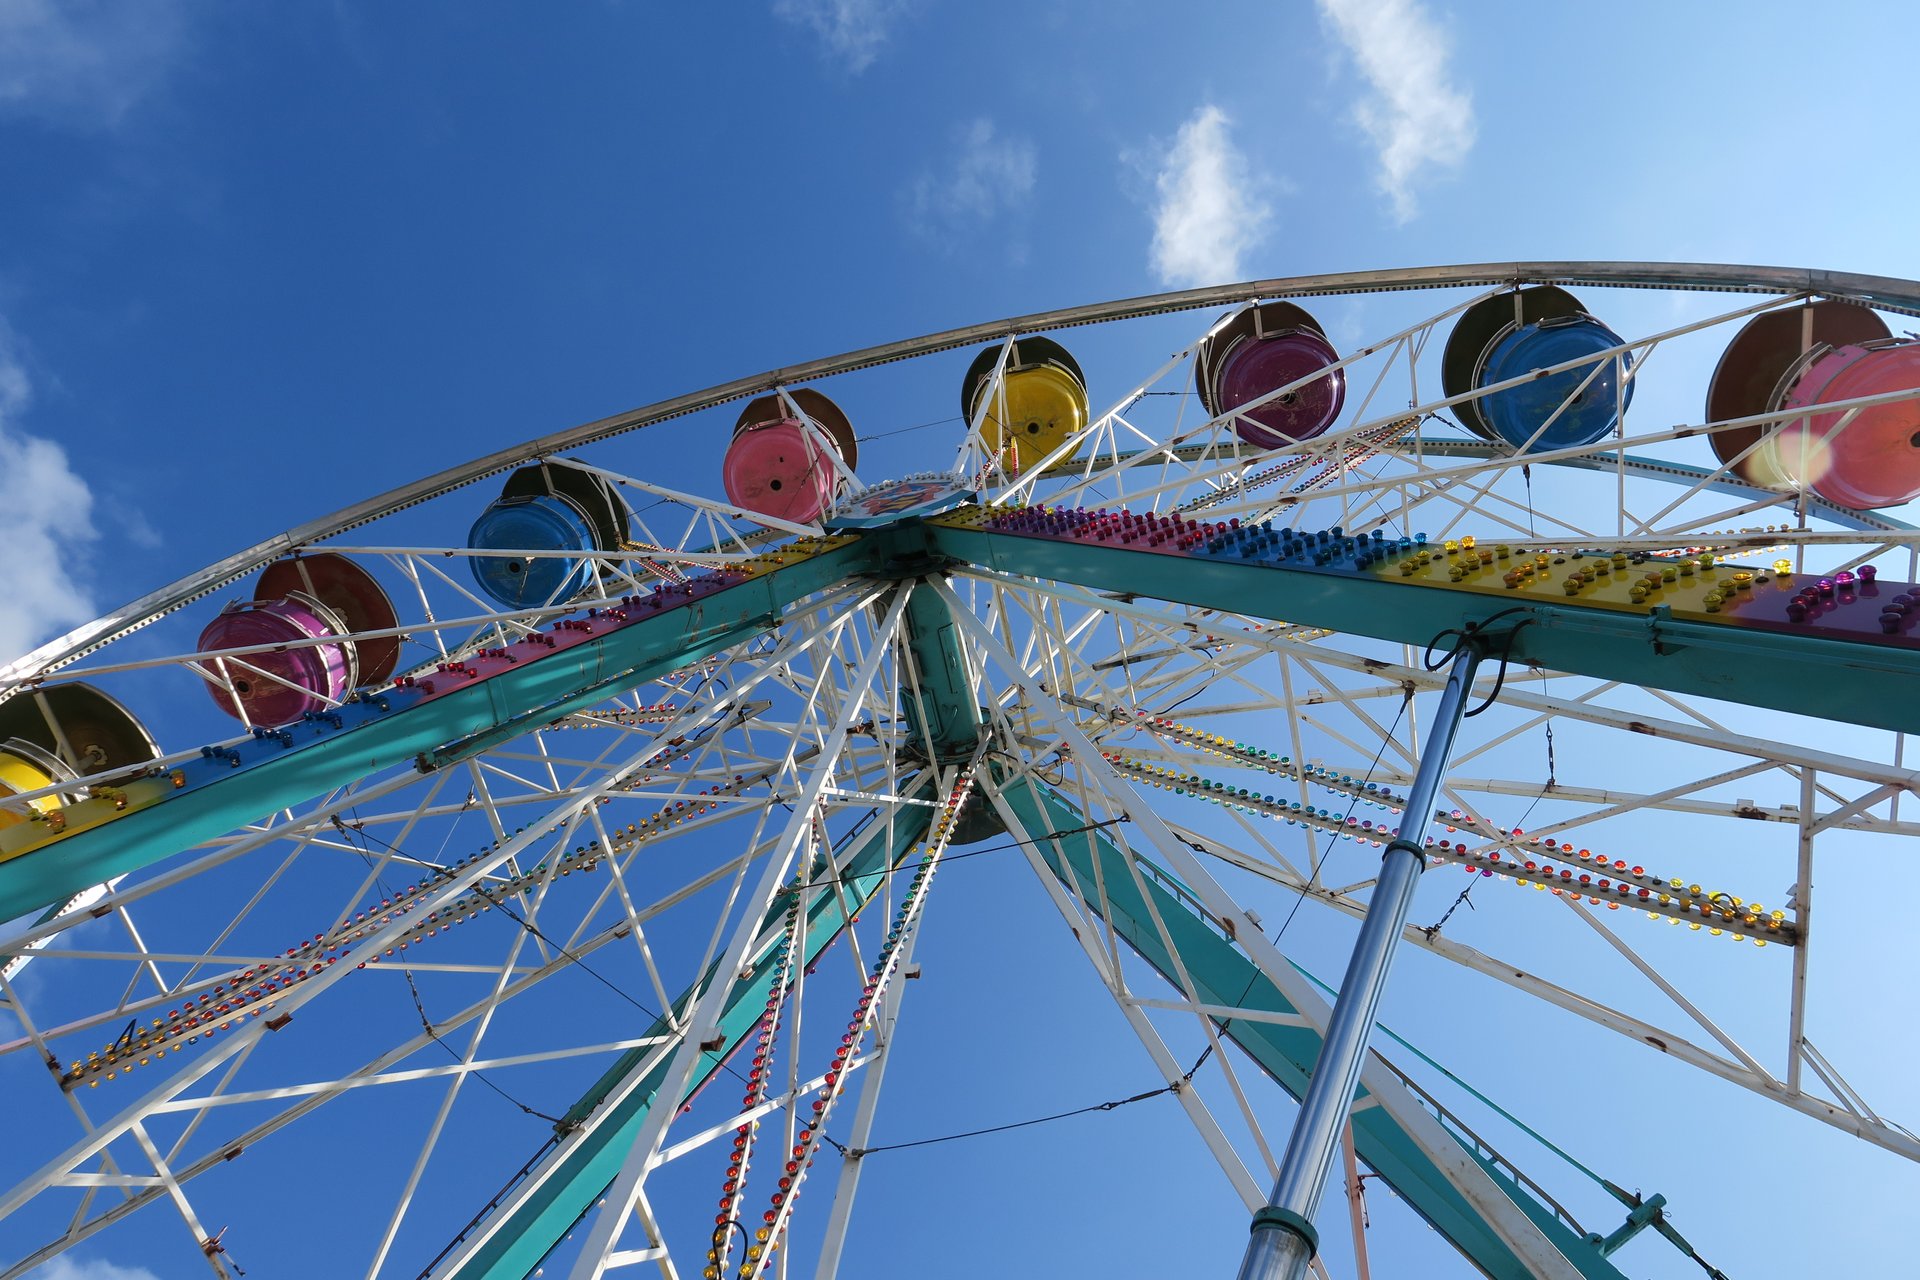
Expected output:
{"points": [[419, 1006], [1313, 870], [426, 1025], [520, 920], [1471, 636], [1112, 1105], [1462, 901], [900, 431]]}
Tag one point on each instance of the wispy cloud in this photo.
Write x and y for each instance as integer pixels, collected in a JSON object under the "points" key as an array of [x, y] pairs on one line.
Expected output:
{"points": [[989, 175], [1418, 119], [64, 1268], [46, 522], [85, 63], [851, 31], [1210, 211]]}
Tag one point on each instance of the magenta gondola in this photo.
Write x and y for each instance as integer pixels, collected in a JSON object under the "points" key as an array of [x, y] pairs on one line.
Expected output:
{"points": [[1261, 350], [352, 593], [275, 686]]}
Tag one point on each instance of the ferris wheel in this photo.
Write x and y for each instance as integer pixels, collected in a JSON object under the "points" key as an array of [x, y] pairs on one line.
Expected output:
{"points": [[526, 870]]}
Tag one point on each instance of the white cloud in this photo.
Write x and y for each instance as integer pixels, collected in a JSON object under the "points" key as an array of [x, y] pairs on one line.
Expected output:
{"points": [[989, 176], [1209, 212], [46, 521], [64, 1268], [85, 63], [1418, 120], [852, 31]]}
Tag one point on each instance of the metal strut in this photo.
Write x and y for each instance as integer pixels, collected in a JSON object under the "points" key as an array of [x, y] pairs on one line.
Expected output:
{"points": [[1284, 1240]]}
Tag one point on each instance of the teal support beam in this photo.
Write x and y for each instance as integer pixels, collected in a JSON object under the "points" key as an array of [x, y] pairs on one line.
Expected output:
{"points": [[628, 1089], [1223, 975], [459, 715], [939, 691], [1850, 680]]}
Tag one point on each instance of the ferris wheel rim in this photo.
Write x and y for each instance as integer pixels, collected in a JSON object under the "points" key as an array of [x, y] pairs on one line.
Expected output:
{"points": [[1208, 712], [1881, 292]]}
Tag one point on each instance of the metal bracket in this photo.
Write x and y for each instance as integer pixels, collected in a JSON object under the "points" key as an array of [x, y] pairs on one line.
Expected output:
{"points": [[1287, 1220], [1657, 617]]}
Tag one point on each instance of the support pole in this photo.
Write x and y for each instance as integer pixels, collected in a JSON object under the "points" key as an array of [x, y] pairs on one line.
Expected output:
{"points": [[1284, 1240], [1356, 1203]]}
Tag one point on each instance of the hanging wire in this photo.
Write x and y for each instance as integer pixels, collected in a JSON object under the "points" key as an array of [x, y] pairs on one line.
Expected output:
{"points": [[1353, 802], [426, 1025], [900, 431], [500, 905], [1433, 929], [419, 1006], [1464, 900], [1112, 1105]]}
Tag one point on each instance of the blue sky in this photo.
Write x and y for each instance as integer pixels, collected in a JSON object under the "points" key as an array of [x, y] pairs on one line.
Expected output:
{"points": [[328, 219], [259, 261]]}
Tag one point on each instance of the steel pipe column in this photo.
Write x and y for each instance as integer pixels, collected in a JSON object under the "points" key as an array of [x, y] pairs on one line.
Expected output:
{"points": [[1284, 1240]]}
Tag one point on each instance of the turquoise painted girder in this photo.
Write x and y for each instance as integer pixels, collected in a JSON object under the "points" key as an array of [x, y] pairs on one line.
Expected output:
{"points": [[1223, 975], [468, 719], [219, 798], [945, 695], [1811, 675], [517, 1243]]}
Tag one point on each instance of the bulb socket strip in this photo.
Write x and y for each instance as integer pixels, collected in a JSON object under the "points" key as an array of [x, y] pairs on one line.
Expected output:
{"points": [[1852, 604], [658, 713], [1589, 875], [1756, 921], [254, 989], [1618, 884], [644, 552], [773, 1220], [733, 1187], [1371, 794], [1359, 450]]}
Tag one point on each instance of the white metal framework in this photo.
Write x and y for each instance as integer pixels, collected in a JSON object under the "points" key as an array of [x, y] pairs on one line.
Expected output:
{"points": [[552, 926]]}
